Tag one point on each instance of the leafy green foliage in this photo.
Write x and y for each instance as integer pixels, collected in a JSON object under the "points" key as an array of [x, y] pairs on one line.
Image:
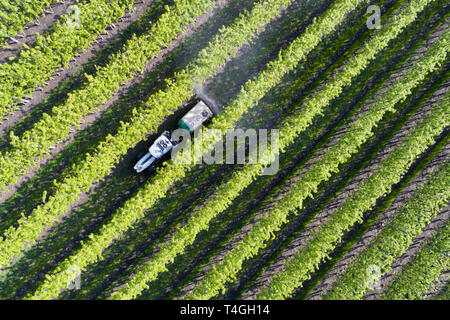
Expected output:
{"points": [[14, 15], [223, 48], [98, 89], [418, 277], [360, 131], [395, 238], [109, 151], [34, 65], [390, 171]]}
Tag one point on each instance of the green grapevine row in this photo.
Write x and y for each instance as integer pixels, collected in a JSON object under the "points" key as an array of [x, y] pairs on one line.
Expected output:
{"points": [[29, 228], [133, 209], [222, 49], [216, 279], [390, 171], [197, 247], [34, 65], [394, 241], [163, 216], [418, 277], [122, 67], [223, 199], [14, 15]]}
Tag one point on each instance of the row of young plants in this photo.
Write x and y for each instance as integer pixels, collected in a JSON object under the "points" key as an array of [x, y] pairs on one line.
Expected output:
{"points": [[395, 238], [135, 240], [99, 88], [388, 63], [216, 279], [14, 15], [140, 236], [330, 233], [238, 33], [223, 48], [237, 215], [35, 64], [95, 167], [226, 193], [418, 277]]}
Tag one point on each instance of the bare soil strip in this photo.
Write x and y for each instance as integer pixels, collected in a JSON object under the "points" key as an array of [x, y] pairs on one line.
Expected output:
{"points": [[39, 25], [316, 221], [123, 91], [62, 75], [302, 239]]}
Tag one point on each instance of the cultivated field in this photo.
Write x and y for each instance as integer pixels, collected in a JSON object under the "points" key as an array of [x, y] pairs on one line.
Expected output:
{"points": [[359, 205]]}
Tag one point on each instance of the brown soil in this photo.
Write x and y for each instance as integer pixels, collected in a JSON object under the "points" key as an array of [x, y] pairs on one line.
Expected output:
{"points": [[39, 25], [326, 283], [124, 89], [75, 65], [90, 119], [313, 225]]}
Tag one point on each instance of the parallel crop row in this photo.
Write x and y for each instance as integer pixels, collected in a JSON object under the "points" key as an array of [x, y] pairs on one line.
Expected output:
{"points": [[146, 196], [14, 15], [225, 46], [168, 212], [29, 228], [132, 240], [34, 65], [445, 293], [418, 277], [220, 202], [395, 238], [98, 89], [215, 280], [198, 247], [390, 171]]}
